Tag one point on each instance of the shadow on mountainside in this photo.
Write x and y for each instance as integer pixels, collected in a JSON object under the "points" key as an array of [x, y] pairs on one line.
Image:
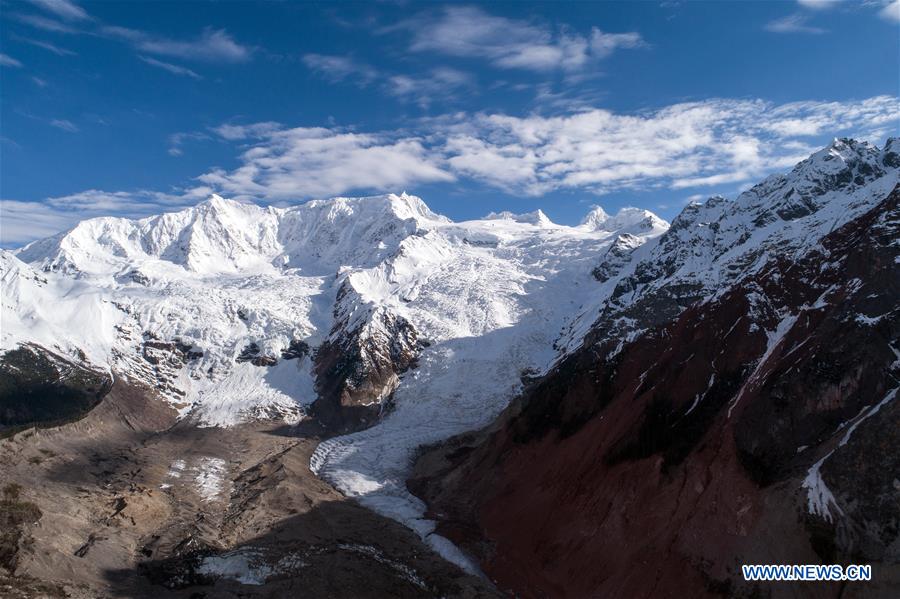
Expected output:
{"points": [[336, 549], [131, 501]]}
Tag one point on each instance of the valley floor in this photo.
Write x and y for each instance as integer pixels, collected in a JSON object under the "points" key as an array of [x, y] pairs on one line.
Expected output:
{"points": [[134, 505]]}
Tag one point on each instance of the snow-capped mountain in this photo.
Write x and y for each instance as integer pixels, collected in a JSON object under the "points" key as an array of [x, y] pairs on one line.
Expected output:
{"points": [[237, 286], [731, 403], [394, 324], [720, 241]]}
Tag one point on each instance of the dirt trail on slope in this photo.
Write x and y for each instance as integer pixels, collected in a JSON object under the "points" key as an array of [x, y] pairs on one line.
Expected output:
{"points": [[133, 504]]}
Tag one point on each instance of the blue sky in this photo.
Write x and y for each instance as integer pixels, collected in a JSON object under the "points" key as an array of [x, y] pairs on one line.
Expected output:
{"points": [[132, 108]]}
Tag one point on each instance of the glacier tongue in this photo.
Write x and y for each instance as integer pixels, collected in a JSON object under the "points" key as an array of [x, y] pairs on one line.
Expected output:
{"points": [[492, 311]]}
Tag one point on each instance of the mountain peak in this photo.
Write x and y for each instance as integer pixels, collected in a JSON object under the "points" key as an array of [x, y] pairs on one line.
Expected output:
{"points": [[536, 217], [841, 152], [626, 220], [595, 218]]}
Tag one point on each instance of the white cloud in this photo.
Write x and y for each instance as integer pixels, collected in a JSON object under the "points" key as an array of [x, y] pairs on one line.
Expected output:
{"points": [[818, 4], [96, 201], [9, 61], [172, 68], [50, 47], [213, 45], [685, 145], [792, 24], [339, 68], [719, 144], [605, 44], [64, 125], [698, 144], [177, 140], [891, 11], [469, 32], [304, 162], [63, 9], [39, 82], [440, 83], [46, 24], [22, 222], [239, 132]]}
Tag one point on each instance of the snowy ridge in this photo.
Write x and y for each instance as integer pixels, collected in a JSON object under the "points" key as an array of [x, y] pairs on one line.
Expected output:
{"points": [[217, 278], [627, 220], [176, 300], [714, 244]]}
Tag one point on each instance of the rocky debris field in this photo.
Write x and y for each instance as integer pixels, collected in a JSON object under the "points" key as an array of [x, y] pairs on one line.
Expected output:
{"points": [[128, 503]]}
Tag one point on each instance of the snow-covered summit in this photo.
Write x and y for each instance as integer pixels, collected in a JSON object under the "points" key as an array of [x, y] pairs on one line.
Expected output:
{"points": [[595, 218], [713, 243], [634, 221], [242, 283], [225, 236], [536, 217]]}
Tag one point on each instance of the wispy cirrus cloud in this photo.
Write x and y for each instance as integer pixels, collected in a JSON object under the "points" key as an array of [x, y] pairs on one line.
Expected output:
{"points": [[64, 124], [177, 141], [818, 4], [213, 45], [51, 25], [440, 82], [48, 46], [172, 68], [470, 32], [888, 10], [419, 88], [64, 9], [233, 132], [340, 68], [795, 23], [9, 61], [891, 11]]}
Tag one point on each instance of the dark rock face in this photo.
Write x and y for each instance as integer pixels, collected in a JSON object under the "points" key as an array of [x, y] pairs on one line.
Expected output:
{"points": [[757, 427], [357, 373], [164, 359], [39, 387], [618, 254], [175, 353], [358, 367], [253, 354], [296, 350]]}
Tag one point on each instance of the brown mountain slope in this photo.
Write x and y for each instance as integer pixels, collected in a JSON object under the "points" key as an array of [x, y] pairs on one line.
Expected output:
{"points": [[757, 427]]}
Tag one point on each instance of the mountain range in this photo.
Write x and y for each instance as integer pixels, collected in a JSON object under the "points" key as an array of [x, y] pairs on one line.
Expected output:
{"points": [[618, 408]]}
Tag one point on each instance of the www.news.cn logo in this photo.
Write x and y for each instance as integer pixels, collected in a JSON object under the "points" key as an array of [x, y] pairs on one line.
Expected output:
{"points": [[807, 572]]}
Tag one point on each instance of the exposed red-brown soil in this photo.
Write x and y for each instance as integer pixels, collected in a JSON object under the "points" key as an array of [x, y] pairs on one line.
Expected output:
{"points": [[658, 471]]}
